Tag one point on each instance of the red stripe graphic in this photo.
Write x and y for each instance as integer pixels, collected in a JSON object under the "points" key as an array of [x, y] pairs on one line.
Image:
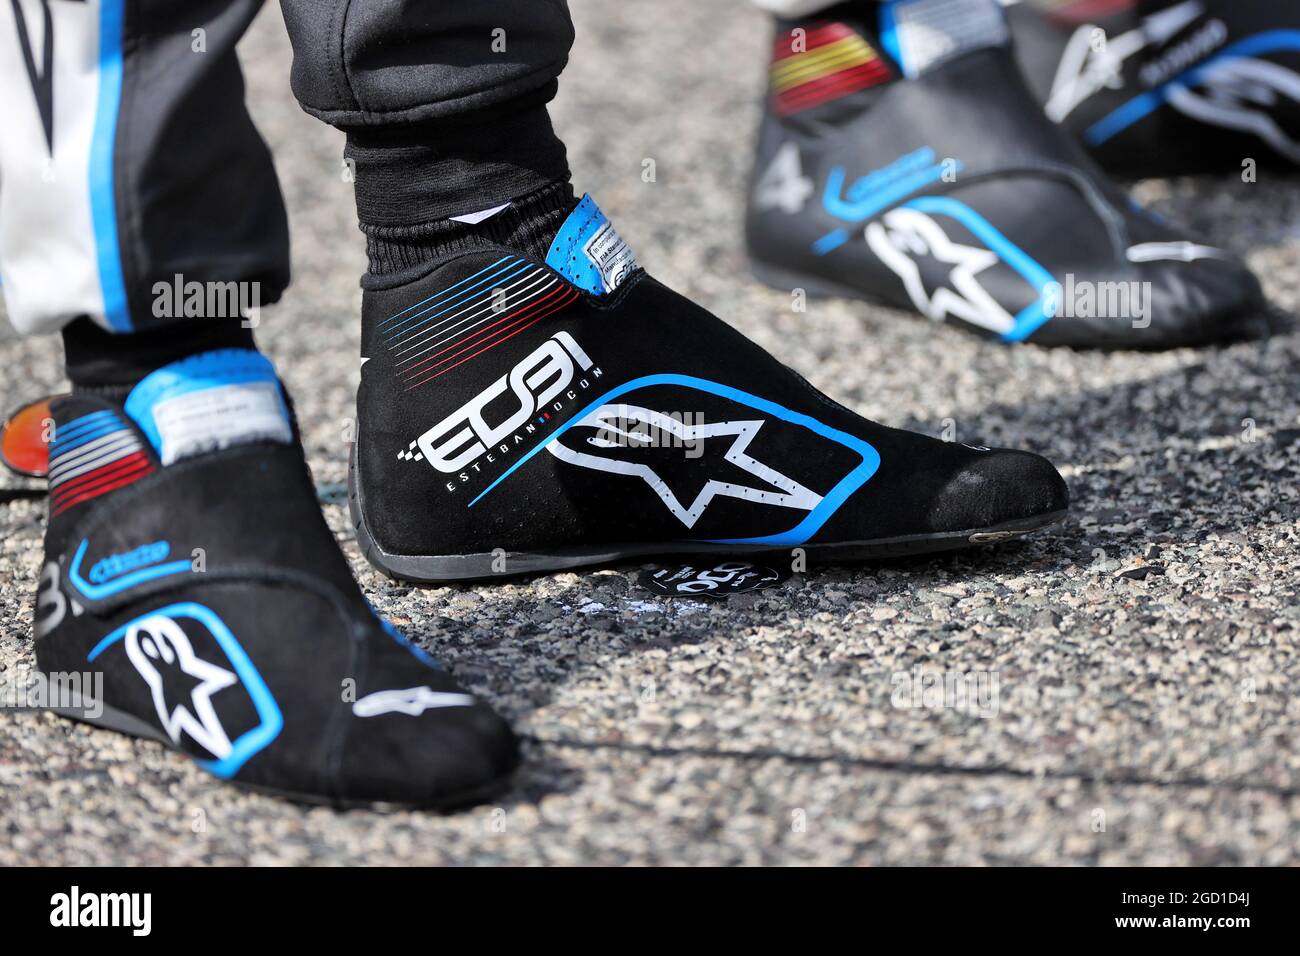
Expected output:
{"points": [[100, 460], [831, 87], [783, 48], [469, 342], [119, 478], [833, 61], [466, 311], [108, 477], [90, 477], [453, 341], [571, 296]]}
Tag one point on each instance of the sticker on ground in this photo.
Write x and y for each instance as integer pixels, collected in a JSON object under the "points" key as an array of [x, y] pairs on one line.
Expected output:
{"points": [[716, 581]]}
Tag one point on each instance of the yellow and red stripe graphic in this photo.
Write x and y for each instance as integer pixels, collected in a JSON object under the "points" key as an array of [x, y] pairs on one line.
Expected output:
{"points": [[827, 62]]}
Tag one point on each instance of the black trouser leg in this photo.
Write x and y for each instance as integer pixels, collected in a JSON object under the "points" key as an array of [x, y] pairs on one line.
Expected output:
{"points": [[444, 106]]}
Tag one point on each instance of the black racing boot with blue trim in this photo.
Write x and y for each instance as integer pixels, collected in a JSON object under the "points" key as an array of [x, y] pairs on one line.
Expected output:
{"points": [[193, 594], [1169, 87], [519, 416], [903, 160]]}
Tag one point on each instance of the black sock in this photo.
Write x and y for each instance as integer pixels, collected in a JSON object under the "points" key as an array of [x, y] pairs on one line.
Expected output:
{"points": [[398, 253], [411, 181], [110, 364]]}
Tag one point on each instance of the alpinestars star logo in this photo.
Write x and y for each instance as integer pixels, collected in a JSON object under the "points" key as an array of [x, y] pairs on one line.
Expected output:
{"points": [[182, 684], [906, 235], [411, 701], [759, 474], [619, 426], [1173, 252], [1238, 93], [192, 662]]}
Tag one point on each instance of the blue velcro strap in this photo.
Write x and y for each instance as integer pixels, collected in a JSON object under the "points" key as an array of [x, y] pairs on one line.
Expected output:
{"points": [[209, 401]]}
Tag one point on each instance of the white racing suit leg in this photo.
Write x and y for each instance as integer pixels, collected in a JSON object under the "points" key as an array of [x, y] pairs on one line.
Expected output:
{"points": [[127, 157]]}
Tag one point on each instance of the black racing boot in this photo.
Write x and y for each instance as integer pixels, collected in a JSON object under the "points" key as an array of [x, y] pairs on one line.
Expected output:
{"points": [[1169, 87], [193, 594], [521, 416], [903, 160]]}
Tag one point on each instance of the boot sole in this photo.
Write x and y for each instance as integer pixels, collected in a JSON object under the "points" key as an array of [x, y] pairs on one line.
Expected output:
{"points": [[111, 718], [451, 568], [1251, 323]]}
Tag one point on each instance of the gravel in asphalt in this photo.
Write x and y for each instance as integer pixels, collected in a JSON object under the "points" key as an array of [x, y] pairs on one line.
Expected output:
{"points": [[1145, 652]]}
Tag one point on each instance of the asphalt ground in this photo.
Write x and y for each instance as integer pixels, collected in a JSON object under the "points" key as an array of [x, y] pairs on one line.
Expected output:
{"points": [[1138, 663]]}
